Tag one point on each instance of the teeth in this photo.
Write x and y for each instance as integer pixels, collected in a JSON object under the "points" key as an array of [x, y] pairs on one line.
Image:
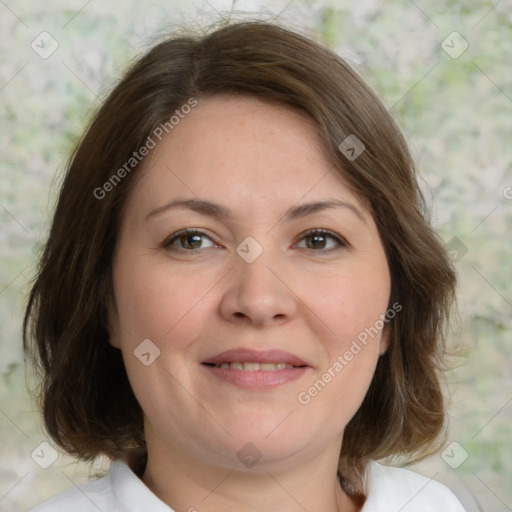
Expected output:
{"points": [[274, 366], [250, 366]]}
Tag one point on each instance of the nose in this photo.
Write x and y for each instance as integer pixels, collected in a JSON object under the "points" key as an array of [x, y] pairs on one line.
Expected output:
{"points": [[258, 294]]}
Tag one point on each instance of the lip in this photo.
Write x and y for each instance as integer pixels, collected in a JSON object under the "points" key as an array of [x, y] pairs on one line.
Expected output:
{"points": [[256, 356], [257, 379]]}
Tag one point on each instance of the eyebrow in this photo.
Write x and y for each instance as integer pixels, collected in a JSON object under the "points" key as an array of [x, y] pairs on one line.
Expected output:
{"points": [[211, 209]]}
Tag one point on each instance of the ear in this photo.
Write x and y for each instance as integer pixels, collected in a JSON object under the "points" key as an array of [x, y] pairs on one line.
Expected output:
{"points": [[114, 341], [385, 339]]}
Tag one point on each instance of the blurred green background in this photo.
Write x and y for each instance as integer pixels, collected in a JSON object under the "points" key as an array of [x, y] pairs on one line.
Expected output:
{"points": [[453, 103]]}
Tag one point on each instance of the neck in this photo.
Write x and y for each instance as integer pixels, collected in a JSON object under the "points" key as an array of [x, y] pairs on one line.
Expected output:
{"points": [[190, 485]]}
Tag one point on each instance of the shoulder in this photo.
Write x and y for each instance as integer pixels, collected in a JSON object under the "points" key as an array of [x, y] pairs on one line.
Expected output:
{"points": [[118, 491], [393, 489]]}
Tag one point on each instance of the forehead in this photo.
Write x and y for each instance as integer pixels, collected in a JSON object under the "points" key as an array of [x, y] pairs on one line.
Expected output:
{"points": [[240, 150]]}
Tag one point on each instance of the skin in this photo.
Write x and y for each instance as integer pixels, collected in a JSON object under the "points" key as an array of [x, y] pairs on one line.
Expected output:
{"points": [[305, 295]]}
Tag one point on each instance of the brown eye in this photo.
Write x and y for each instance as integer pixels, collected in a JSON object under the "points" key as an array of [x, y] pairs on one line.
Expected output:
{"points": [[316, 241], [188, 240], [321, 239]]}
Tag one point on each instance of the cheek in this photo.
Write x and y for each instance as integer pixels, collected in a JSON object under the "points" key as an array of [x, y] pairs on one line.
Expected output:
{"points": [[168, 309], [349, 304], [155, 303]]}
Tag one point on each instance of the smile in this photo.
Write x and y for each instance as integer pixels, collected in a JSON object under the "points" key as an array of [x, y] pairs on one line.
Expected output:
{"points": [[256, 370], [254, 366]]}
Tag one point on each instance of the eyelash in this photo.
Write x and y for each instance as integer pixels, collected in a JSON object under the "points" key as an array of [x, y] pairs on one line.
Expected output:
{"points": [[340, 242]]}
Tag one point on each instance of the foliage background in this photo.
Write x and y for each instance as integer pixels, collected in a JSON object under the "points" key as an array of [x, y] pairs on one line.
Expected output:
{"points": [[457, 116]]}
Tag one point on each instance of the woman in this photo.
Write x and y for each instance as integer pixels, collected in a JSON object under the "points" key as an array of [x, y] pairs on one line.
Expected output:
{"points": [[240, 301]]}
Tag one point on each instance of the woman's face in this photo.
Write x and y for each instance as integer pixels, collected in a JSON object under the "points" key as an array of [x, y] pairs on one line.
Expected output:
{"points": [[253, 337]]}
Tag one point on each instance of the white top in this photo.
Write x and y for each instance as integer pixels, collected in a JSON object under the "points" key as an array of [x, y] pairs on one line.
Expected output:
{"points": [[390, 490]]}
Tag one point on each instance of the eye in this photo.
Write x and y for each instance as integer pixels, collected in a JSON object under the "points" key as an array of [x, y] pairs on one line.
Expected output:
{"points": [[188, 240], [321, 239]]}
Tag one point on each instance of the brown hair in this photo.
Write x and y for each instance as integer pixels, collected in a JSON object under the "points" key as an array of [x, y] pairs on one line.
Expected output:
{"points": [[88, 405]]}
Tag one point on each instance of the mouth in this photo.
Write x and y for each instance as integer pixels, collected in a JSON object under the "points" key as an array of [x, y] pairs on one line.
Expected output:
{"points": [[251, 369], [254, 360], [253, 366]]}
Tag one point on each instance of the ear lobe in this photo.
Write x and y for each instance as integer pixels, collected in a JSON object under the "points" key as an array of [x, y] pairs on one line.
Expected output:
{"points": [[113, 338], [114, 341], [384, 340]]}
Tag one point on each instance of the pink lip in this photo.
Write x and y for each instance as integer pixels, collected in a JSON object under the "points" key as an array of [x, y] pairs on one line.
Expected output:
{"points": [[255, 356], [258, 379]]}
